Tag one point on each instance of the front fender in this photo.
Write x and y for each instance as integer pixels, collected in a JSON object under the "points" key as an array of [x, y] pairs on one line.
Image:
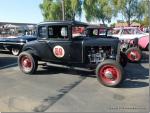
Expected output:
{"points": [[32, 51]]}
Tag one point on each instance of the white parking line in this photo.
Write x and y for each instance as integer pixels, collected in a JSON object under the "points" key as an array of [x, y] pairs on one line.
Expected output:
{"points": [[10, 65]]}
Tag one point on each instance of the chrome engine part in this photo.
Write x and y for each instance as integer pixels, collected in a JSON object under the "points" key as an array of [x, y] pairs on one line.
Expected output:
{"points": [[96, 55]]}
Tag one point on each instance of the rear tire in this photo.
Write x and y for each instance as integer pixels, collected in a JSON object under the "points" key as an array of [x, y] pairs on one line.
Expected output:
{"points": [[110, 73], [134, 54], [27, 63]]}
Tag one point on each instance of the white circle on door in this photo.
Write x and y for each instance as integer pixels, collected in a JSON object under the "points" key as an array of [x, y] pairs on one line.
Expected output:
{"points": [[59, 51]]}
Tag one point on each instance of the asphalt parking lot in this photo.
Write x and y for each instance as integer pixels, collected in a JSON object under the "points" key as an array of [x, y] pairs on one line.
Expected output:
{"points": [[54, 89]]}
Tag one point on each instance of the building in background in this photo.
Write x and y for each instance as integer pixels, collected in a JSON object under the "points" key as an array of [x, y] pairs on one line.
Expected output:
{"points": [[124, 24], [15, 29]]}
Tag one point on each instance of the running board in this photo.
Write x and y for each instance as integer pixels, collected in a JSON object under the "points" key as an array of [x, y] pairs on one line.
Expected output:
{"points": [[68, 67]]}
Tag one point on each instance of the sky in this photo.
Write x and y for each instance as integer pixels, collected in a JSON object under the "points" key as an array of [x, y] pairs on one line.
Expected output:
{"points": [[24, 11]]}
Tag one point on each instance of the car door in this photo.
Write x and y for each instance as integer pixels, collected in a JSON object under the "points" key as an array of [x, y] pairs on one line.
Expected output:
{"points": [[76, 51], [76, 47], [59, 43]]}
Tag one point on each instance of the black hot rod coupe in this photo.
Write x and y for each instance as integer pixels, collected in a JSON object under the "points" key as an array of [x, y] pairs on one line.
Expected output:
{"points": [[65, 43], [15, 44]]}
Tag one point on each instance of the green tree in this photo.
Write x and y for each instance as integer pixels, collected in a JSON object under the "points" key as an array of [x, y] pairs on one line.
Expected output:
{"points": [[49, 9], [52, 9], [112, 25], [100, 10], [146, 20], [130, 9]]}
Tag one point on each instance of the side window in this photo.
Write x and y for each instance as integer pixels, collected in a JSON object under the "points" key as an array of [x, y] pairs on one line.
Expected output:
{"points": [[42, 32], [50, 31], [126, 32], [58, 32]]}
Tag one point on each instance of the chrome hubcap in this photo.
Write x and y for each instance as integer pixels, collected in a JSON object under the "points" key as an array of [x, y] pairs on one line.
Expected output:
{"points": [[15, 51], [108, 74], [26, 63], [133, 55]]}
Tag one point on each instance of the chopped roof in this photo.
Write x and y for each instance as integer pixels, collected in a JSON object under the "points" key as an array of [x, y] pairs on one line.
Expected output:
{"points": [[64, 22]]}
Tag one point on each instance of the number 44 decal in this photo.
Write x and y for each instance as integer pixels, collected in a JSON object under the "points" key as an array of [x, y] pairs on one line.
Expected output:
{"points": [[58, 51]]}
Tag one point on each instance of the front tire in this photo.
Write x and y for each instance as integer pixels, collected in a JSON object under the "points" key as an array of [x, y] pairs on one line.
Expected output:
{"points": [[27, 63], [134, 54], [109, 73]]}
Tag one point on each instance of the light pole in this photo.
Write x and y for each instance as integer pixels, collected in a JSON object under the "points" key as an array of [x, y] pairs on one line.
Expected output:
{"points": [[63, 10]]}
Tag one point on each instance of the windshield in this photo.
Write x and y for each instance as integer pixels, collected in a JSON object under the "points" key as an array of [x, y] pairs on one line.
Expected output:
{"points": [[78, 31]]}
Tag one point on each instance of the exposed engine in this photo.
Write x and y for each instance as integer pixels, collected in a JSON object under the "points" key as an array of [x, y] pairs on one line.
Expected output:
{"points": [[98, 54]]}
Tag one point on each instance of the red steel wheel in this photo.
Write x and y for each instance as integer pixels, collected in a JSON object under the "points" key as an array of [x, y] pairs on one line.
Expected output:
{"points": [[134, 54], [27, 63], [109, 73]]}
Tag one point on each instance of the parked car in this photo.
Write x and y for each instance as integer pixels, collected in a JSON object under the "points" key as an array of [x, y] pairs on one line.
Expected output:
{"points": [[127, 33], [15, 44], [59, 42], [130, 33]]}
